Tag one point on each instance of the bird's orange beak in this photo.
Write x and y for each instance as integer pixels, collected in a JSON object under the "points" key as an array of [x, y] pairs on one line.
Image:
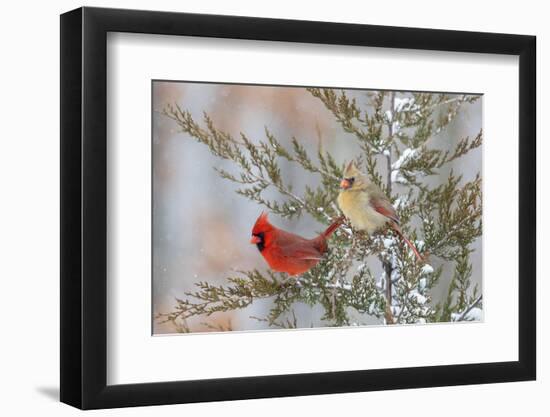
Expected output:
{"points": [[255, 240], [345, 184]]}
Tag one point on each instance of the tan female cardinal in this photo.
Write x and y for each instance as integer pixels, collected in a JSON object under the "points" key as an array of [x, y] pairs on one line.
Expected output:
{"points": [[366, 206], [287, 252]]}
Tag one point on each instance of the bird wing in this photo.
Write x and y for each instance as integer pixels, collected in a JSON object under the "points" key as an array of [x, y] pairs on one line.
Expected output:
{"points": [[384, 207], [300, 250]]}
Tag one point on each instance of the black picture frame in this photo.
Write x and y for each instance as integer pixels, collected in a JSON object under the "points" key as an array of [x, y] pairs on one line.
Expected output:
{"points": [[84, 207]]}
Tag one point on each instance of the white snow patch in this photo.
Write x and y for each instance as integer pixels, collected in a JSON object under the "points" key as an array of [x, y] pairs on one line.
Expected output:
{"points": [[475, 313], [406, 156], [419, 297], [422, 283], [395, 275], [397, 177], [388, 242], [339, 284], [401, 201], [372, 307], [347, 230], [395, 127], [400, 103], [427, 269]]}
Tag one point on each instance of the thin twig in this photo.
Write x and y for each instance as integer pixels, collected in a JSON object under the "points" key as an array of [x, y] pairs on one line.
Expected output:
{"points": [[470, 308]]}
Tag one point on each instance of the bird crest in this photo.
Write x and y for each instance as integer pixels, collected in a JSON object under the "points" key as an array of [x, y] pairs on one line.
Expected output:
{"points": [[262, 224], [351, 169]]}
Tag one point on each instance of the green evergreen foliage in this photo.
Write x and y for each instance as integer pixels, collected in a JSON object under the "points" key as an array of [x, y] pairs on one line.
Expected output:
{"points": [[396, 134]]}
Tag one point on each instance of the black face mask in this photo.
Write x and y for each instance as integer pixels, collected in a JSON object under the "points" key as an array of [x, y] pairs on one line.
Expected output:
{"points": [[261, 244]]}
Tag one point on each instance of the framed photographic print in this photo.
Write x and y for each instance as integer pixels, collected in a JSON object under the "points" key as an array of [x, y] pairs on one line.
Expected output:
{"points": [[258, 207]]}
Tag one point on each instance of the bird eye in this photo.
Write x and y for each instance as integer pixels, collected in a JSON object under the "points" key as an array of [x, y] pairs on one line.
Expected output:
{"points": [[350, 180]]}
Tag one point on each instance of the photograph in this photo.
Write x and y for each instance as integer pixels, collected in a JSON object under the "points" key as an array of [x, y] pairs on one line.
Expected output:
{"points": [[285, 207]]}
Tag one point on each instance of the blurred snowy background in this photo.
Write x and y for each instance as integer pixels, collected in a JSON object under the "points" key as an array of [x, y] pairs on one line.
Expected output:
{"points": [[201, 227]]}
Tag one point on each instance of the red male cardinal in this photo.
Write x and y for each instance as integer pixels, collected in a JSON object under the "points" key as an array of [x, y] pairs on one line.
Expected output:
{"points": [[366, 206], [287, 252]]}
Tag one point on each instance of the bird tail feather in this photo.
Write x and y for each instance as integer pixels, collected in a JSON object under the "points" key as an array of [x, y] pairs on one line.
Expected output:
{"points": [[407, 241], [331, 229]]}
